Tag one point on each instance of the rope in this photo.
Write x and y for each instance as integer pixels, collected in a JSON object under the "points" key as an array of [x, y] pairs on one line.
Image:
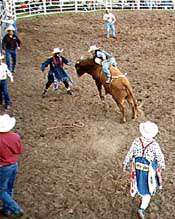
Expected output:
{"points": [[77, 124]]}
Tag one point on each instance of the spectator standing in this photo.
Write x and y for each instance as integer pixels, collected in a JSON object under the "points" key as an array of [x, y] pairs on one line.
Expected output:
{"points": [[10, 149], [4, 73], [10, 44], [110, 20]]}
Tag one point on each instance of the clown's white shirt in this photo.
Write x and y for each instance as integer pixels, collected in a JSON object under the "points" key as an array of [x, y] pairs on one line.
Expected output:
{"points": [[152, 152]]}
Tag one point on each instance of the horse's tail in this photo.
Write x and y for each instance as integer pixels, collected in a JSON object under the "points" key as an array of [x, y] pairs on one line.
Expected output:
{"points": [[130, 93]]}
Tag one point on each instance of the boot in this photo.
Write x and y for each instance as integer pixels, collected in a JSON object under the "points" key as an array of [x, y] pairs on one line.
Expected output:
{"points": [[140, 213], [69, 92], [17, 215], [44, 93]]}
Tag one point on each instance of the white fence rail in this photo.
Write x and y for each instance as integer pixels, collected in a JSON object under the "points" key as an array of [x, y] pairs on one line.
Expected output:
{"points": [[39, 7]]}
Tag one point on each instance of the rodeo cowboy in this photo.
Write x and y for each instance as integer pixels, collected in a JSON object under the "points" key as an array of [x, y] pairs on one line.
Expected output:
{"points": [[56, 72], [145, 161], [105, 59]]}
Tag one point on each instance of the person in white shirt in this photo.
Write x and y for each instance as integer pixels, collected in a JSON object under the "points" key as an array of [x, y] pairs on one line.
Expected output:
{"points": [[110, 20], [4, 74], [145, 161]]}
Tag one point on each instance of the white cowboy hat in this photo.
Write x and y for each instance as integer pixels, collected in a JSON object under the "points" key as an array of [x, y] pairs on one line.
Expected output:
{"points": [[10, 27], [1, 57], [6, 123], [148, 129], [93, 48], [57, 50]]}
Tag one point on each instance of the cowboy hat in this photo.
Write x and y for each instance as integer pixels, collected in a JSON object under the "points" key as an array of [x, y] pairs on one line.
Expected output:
{"points": [[10, 27], [57, 50], [148, 129], [6, 123], [93, 48], [1, 57]]}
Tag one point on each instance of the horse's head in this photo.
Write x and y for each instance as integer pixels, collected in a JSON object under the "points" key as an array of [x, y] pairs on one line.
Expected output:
{"points": [[84, 66]]}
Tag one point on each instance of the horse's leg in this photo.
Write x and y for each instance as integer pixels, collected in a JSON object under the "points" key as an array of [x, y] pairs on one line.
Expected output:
{"points": [[121, 106], [134, 110], [99, 87]]}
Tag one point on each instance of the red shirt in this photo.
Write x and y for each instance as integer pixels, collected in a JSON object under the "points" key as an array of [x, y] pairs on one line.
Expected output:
{"points": [[10, 148]]}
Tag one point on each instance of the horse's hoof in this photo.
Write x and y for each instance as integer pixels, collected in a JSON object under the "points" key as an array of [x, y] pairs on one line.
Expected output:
{"points": [[123, 120]]}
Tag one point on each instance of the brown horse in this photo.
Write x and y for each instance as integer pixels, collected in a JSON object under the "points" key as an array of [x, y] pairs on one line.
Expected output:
{"points": [[120, 88]]}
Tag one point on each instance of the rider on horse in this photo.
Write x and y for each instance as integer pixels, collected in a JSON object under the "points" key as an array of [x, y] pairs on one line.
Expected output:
{"points": [[103, 58], [56, 72]]}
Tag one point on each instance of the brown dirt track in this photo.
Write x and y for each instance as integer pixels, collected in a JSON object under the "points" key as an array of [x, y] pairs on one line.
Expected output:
{"points": [[76, 173]]}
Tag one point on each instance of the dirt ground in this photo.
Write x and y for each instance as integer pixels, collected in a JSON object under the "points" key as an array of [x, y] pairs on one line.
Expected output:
{"points": [[75, 172]]}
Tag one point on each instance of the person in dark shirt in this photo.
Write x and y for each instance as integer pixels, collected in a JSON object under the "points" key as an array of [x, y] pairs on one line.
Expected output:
{"points": [[10, 150], [10, 44]]}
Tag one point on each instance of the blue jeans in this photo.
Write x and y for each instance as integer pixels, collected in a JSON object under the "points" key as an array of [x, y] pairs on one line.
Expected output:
{"points": [[106, 64], [7, 179], [11, 54], [108, 27], [4, 92]]}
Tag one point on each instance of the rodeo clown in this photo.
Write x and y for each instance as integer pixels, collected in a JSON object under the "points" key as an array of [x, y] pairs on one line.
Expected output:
{"points": [[56, 72], [145, 161], [106, 60]]}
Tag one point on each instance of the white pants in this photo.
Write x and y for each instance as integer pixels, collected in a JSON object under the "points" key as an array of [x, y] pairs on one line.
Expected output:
{"points": [[145, 201]]}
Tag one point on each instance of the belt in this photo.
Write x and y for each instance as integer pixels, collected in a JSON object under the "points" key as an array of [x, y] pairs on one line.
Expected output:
{"points": [[7, 165], [141, 166]]}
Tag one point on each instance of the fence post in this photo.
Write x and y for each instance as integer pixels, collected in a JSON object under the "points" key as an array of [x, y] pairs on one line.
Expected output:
{"points": [[111, 4], [76, 7], [174, 4], [44, 6], [94, 4], [29, 8], [123, 4], [106, 4], [138, 4]]}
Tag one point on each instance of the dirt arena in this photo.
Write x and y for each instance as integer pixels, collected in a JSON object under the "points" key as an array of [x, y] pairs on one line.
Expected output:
{"points": [[75, 170]]}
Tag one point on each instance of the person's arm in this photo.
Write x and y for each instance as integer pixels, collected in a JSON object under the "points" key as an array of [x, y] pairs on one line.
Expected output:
{"points": [[113, 19], [45, 64], [129, 155], [9, 74], [66, 61], [19, 146], [101, 54], [104, 17], [18, 42], [4, 42], [159, 156], [107, 54]]}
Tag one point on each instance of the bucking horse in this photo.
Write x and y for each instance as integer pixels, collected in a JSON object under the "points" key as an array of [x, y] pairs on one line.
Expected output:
{"points": [[120, 88]]}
